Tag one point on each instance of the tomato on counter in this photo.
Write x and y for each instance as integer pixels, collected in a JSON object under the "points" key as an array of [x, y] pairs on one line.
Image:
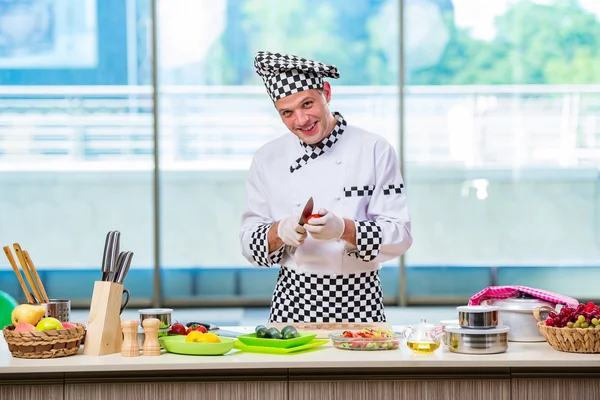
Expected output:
{"points": [[195, 328], [177, 329]]}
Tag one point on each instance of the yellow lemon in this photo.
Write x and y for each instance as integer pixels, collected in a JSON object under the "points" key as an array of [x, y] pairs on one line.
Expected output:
{"points": [[194, 336], [210, 338]]}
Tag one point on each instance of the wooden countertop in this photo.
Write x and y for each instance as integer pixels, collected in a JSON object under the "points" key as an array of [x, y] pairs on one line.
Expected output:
{"points": [[518, 355]]}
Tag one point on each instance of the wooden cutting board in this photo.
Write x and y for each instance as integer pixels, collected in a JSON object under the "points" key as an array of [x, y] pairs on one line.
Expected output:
{"points": [[324, 329]]}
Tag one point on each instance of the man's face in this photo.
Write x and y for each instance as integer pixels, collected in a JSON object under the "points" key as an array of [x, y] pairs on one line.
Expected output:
{"points": [[306, 114]]}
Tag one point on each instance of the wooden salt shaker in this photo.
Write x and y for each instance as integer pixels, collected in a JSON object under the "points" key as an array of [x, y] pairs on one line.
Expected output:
{"points": [[151, 347], [130, 346]]}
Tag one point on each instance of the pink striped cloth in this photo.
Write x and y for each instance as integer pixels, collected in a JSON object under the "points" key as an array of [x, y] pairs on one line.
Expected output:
{"points": [[504, 292]]}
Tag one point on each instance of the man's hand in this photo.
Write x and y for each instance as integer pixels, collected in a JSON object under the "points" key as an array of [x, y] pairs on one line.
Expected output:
{"points": [[328, 226], [290, 232]]}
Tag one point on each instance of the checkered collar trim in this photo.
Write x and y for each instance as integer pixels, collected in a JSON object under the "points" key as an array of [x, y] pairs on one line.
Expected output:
{"points": [[311, 152]]}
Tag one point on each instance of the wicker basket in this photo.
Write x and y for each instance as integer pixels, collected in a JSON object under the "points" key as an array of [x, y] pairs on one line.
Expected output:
{"points": [[44, 344], [570, 340]]}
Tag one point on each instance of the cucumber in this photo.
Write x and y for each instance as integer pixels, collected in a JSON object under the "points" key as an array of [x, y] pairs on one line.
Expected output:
{"points": [[262, 332], [274, 333], [290, 333]]}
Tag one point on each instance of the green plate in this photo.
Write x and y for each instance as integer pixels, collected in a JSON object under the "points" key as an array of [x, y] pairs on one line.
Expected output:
{"points": [[177, 344], [279, 350], [302, 339]]}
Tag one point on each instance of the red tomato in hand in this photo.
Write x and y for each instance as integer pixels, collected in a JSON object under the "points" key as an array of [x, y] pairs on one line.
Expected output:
{"points": [[313, 216]]}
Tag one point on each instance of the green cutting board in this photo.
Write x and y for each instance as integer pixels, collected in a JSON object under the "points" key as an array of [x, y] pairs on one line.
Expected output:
{"points": [[280, 350]]}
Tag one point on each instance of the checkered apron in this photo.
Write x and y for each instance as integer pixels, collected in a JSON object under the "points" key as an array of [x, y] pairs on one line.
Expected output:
{"points": [[307, 298]]}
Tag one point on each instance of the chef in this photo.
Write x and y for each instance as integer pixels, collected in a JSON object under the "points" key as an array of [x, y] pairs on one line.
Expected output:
{"points": [[329, 265]]}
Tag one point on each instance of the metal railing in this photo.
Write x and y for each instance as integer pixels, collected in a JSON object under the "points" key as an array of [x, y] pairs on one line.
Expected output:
{"points": [[221, 127]]}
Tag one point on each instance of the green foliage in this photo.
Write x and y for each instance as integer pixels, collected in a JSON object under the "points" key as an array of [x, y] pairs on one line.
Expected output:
{"points": [[535, 44], [556, 43]]}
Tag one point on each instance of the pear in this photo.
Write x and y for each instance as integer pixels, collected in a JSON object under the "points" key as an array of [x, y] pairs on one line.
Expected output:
{"points": [[29, 313]]}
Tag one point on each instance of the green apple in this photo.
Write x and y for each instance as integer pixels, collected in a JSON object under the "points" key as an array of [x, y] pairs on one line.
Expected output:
{"points": [[48, 324]]}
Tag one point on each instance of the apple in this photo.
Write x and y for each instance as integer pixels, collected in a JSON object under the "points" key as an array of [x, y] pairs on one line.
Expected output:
{"points": [[67, 325], [48, 324], [27, 313], [24, 327]]}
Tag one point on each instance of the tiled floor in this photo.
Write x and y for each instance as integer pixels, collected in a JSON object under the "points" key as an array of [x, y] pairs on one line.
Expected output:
{"points": [[255, 316]]}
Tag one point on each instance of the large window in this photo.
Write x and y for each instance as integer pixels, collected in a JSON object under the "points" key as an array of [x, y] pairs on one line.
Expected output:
{"points": [[501, 134], [497, 125], [214, 113], [76, 149]]}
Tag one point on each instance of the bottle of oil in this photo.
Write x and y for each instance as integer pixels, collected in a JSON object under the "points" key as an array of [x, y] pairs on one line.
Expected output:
{"points": [[423, 347], [422, 338]]}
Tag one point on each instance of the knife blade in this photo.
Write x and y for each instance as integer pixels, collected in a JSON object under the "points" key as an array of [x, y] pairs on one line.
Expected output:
{"points": [[308, 208], [106, 255], [216, 329]]}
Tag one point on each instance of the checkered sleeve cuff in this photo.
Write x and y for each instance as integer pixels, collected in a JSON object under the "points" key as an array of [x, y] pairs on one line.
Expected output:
{"points": [[393, 189], [368, 240], [259, 247]]}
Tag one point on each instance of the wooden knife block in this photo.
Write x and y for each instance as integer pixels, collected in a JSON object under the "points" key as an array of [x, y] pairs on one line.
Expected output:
{"points": [[104, 334]]}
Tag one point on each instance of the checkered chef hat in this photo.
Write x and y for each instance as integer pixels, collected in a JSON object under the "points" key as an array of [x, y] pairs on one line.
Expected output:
{"points": [[286, 74]]}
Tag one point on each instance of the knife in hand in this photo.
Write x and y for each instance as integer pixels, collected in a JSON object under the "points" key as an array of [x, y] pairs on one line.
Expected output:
{"points": [[308, 209]]}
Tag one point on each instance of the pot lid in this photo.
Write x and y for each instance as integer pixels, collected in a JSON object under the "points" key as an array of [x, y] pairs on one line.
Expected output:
{"points": [[471, 331], [477, 309], [155, 311], [521, 304]]}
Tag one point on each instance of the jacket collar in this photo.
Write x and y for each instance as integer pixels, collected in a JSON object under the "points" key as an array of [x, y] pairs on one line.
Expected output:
{"points": [[311, 151]]}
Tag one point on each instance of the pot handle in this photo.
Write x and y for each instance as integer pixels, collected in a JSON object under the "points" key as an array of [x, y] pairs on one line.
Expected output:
{"points": [[537, 312]]}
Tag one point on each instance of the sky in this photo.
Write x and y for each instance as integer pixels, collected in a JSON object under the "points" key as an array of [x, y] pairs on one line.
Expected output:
{"points": [[478, 15]]}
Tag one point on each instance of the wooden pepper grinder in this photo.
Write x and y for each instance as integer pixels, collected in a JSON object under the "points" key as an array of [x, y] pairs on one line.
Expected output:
{"points": [[130, 346], [151, 347]]}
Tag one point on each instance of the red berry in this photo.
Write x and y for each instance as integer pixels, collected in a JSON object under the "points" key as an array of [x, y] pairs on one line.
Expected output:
{"points": [[549, 322], [590, 304], [556, 321], [552, 314]]}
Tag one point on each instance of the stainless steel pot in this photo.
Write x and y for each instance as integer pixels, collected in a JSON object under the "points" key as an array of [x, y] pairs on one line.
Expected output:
{"points": [[477, 341], [517, 313], [478, 317], [162, 314], [444, 324]]}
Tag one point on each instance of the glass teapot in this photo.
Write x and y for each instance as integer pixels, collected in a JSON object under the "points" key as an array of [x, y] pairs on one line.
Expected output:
{"points": [[423, 338]]}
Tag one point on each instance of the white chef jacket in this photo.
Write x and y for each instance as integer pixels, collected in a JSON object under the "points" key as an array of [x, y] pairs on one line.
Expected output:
{"points": [[358, 178]]}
